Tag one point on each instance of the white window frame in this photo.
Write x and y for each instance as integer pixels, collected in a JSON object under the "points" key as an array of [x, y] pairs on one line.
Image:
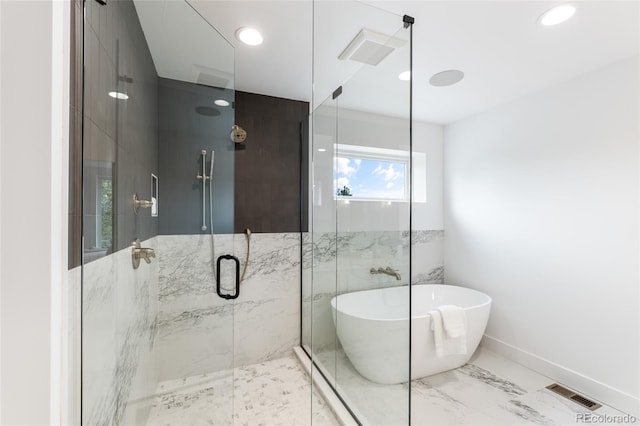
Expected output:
{"points": [[360, 152]]}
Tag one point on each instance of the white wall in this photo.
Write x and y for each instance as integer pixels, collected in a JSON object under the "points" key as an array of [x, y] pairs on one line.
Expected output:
{"points": [[541, 213], [33, 109]]}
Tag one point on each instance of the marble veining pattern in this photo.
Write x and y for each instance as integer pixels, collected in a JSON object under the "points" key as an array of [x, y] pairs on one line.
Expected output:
{"points": [[186, 265], [527, 413], [324, 245], [434, 276], [119, 328], [98, 289], [489, 390], [359, 251], [423, 236], [182, 322], [276, 392], [199, 332], [491, 379]]}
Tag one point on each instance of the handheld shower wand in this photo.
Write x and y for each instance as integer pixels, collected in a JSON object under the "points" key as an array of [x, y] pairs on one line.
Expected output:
{"points": [[213, 153], [204, 178]]}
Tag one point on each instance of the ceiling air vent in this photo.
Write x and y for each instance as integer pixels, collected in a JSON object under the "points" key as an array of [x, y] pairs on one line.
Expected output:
{"points": [[370, 47], [569, 394], [211, 77]]}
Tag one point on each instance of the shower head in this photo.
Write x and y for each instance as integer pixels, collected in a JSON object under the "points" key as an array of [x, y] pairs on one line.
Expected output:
{"points": [[238, 134]]}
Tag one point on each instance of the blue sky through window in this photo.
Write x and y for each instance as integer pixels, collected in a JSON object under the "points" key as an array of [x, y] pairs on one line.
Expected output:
{"points": [[370, 178]]}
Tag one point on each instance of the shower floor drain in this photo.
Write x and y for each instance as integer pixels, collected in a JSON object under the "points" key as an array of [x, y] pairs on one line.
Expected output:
{"points": [[578, 399]]}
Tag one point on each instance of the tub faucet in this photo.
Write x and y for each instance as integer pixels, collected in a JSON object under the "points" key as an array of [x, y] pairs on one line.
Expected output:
{"points": [[387, 271], [146, 254]]}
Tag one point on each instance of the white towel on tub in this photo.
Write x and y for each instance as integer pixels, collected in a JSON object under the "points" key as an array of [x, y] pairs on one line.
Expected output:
{"points": [[445, 343], [436, 327], [454, 320]]}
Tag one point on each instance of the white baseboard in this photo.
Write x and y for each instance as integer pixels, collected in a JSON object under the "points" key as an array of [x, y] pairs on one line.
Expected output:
{"points": [[585, 385]]}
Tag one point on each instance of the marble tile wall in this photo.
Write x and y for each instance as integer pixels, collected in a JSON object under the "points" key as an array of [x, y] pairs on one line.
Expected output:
{"points": [[199, 332], [71, 352], [119, 306], [340, 263]]}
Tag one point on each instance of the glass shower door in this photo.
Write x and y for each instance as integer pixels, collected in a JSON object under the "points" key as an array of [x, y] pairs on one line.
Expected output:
{"points": [[158, 212], [373, 190], [361, 234]]}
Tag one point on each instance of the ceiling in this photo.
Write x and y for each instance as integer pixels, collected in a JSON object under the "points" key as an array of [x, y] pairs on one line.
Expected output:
{"points": [[499, 46]]}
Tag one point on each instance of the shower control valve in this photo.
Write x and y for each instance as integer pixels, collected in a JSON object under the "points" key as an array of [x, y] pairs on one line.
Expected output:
{"points": [[140, 204], [138, 253]]}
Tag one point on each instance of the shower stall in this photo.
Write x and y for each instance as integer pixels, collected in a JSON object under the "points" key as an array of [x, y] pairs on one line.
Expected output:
{"points": [[155, 77], [169, 199]]}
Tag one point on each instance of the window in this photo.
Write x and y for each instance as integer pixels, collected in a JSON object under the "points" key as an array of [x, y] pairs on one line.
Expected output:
{"points": [[368, 173]]}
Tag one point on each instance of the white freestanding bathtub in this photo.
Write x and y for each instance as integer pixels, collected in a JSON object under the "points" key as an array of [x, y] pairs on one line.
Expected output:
{"points": [[373, 328]]}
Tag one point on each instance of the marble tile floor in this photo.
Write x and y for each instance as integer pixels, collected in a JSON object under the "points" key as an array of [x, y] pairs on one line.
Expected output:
{"points": [[271, 393], [490, 390]]}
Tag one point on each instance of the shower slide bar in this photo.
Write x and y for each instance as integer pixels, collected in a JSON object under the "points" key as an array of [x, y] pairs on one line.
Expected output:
{"points": [[216, 271], [204, 178]]}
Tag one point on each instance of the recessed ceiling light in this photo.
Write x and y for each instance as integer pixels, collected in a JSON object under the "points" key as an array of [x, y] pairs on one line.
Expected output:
{"points": [[557, 15], [321, 150], [119, 95], [249, 36], [405, 76], [446, 78], [221, 102]]}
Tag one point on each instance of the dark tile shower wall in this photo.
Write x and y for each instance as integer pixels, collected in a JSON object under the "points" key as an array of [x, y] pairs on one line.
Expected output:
{"points": [[259, 189], [120, 136], [190, 122], [268, 164]]}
